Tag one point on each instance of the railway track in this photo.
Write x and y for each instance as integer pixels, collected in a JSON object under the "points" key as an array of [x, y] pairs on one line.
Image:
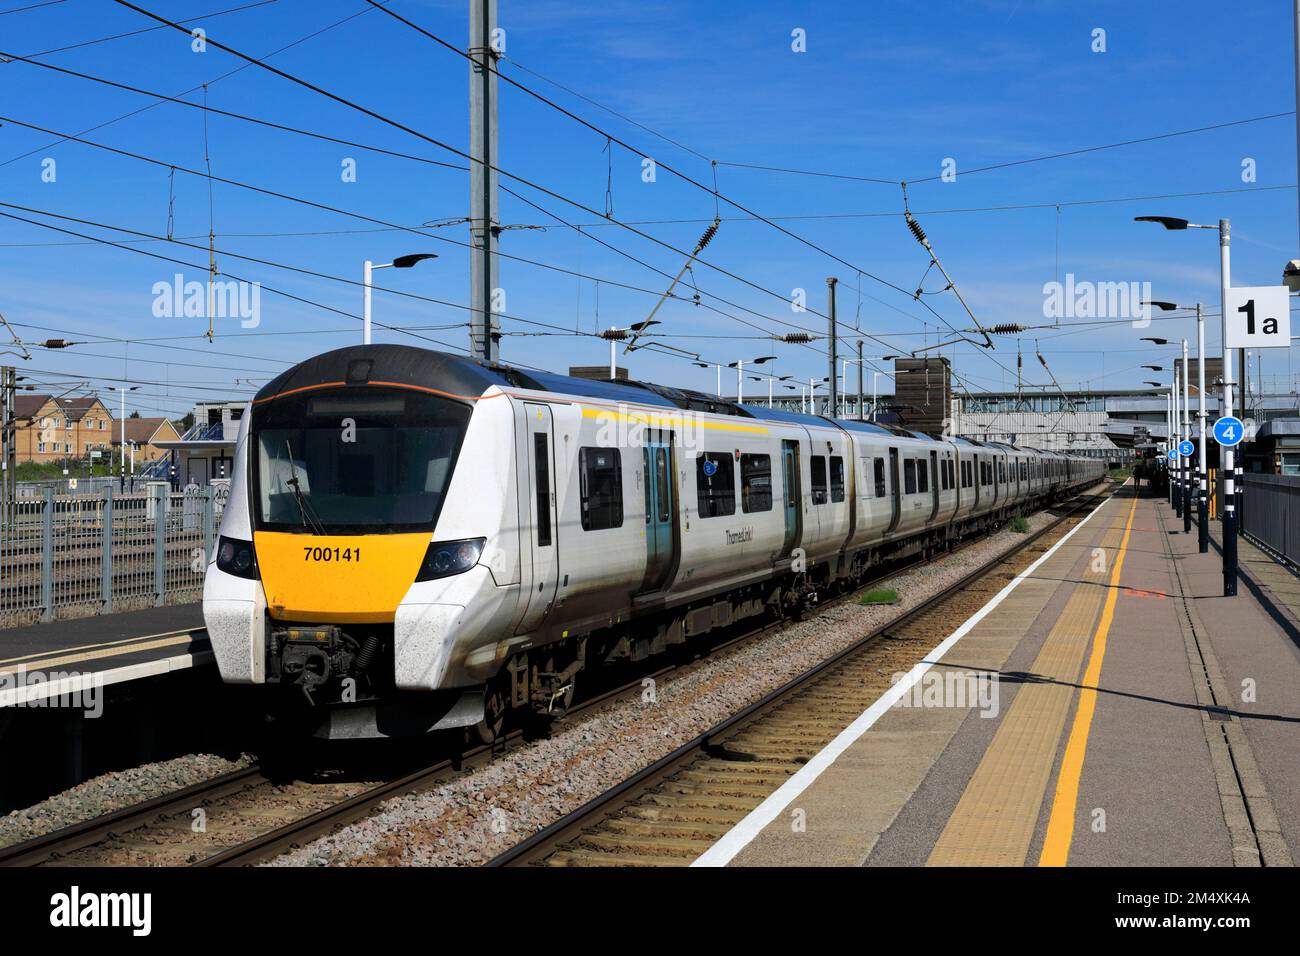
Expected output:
{"points": [[675, 809], [251, 818]]}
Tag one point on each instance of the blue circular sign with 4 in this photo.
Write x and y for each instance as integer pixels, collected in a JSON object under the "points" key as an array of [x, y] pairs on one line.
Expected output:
{"points": [[1186, 448], [1229, 431]]}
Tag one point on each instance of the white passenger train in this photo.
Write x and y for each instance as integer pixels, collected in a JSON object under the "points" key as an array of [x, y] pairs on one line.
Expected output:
{"points": [[416, 541]]}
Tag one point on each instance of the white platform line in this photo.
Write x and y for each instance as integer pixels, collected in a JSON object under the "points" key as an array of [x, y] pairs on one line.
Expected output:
{"points": [[78, 682], [740, 836]]}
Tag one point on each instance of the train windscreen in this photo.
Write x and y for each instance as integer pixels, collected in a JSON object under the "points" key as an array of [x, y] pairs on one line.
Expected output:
{"points": [[353, 461]]}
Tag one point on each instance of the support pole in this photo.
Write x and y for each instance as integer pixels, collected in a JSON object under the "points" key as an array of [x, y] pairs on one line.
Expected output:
{"points": [[1186, 461], [1203, 511], [833, 331], [1229, 453], [861, 416], [484, 224]]}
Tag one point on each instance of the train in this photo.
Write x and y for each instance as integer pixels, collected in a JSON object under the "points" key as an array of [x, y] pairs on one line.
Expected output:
{"points": [[416, 541]]}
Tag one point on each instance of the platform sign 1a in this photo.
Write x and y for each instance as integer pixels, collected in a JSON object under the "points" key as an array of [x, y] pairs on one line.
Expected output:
{"points": [[1186, 449], [1258, 317], [1229, 431]]}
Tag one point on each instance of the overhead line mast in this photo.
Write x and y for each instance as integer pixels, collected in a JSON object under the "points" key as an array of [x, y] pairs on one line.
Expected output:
{"points": [[485, 226]]}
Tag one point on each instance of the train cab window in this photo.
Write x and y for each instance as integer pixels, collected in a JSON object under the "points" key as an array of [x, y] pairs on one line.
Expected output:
{"points": [[600, 474], [837, 478], [922, 477], [909, 476], [715, 484], [879, 476], [755, 483], [817, 467]]}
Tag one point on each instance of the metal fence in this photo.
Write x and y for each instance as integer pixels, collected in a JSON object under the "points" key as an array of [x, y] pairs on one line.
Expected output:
{"points": [[1271, 513], [83, 554]]}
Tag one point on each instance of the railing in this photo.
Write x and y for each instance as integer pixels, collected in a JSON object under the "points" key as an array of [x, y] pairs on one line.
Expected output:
{"points": [[78, 555], [1271, 514]]}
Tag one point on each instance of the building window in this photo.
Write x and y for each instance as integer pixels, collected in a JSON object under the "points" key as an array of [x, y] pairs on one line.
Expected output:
{"points": [[755, 483], [817, 467], [40, 446], [880, 477], [600, 472], [837, 478], [909, 476], [715, 484]]}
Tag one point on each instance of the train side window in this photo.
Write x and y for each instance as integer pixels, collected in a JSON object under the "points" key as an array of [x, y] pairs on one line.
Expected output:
{"points": [[662, 482], [837, 478], [922, 476], [909, 476], [541, 451], [715, 484], [879, 475], [817, 467], [600, 475], [755, 483], [944, 483], [965, 474]]}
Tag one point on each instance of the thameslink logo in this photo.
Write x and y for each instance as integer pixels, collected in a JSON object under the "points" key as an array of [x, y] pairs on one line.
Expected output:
{"points": [[741, 536], [75, 909], [229, 300], [1097, 300]]}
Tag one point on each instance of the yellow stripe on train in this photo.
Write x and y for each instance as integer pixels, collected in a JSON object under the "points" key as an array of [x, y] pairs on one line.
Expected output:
{"points": [[337, 579]]}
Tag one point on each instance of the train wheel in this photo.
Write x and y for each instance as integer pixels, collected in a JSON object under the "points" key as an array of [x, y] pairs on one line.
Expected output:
{"points": [[495, 708]]}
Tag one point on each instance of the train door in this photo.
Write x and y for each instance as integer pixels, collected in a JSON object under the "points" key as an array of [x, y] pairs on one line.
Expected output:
{"points": [[660, 509], [542, 511], [896, 489], [935, 483], [975, 478], [793, 495]]}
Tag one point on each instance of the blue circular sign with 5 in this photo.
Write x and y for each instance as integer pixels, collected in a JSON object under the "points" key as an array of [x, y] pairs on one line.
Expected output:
{"points": [[1229, 431], [1186, 448]]}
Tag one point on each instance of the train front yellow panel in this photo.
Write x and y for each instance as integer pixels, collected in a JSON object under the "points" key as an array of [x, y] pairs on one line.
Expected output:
{"points": [[337, 579]]}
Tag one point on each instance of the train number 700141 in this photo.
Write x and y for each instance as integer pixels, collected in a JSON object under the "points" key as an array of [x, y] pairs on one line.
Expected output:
{"points": [[331, 554]]}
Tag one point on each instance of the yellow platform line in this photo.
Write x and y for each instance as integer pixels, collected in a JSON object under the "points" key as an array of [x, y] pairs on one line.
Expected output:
{"points": [[994, 821], [38, 657], [1060, 826]]}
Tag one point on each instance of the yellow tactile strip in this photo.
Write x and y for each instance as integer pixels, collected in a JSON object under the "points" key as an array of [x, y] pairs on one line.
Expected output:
{"points": [[993, 822]]}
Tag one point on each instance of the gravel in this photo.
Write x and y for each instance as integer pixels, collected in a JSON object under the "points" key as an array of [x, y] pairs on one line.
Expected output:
{"points": [[472, 818], [113, 791]]}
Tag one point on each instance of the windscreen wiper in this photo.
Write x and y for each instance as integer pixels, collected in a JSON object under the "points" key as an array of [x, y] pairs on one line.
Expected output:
{"points": [[309, 517]]}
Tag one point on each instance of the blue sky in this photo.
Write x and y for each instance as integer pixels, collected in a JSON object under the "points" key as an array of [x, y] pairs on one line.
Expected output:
{"points": [[885, 90]]}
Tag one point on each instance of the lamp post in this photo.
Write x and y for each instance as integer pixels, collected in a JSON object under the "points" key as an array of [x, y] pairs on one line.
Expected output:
{"points": [[1230, 479], [1202, 470], [713, 365], [401, 262], [740, 375], [122, 431]]}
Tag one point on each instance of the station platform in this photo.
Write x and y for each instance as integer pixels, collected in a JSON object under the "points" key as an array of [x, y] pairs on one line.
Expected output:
{"points": [[63, 657], [1131, 716]]}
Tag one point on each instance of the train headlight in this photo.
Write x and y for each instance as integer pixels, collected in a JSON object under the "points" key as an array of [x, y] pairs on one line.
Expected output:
{"points": [[236, 557], [445, 558]]}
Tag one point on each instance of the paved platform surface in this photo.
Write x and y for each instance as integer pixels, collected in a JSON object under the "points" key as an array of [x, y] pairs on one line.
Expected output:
{"points": [[1135, 717], [43, 660]]}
